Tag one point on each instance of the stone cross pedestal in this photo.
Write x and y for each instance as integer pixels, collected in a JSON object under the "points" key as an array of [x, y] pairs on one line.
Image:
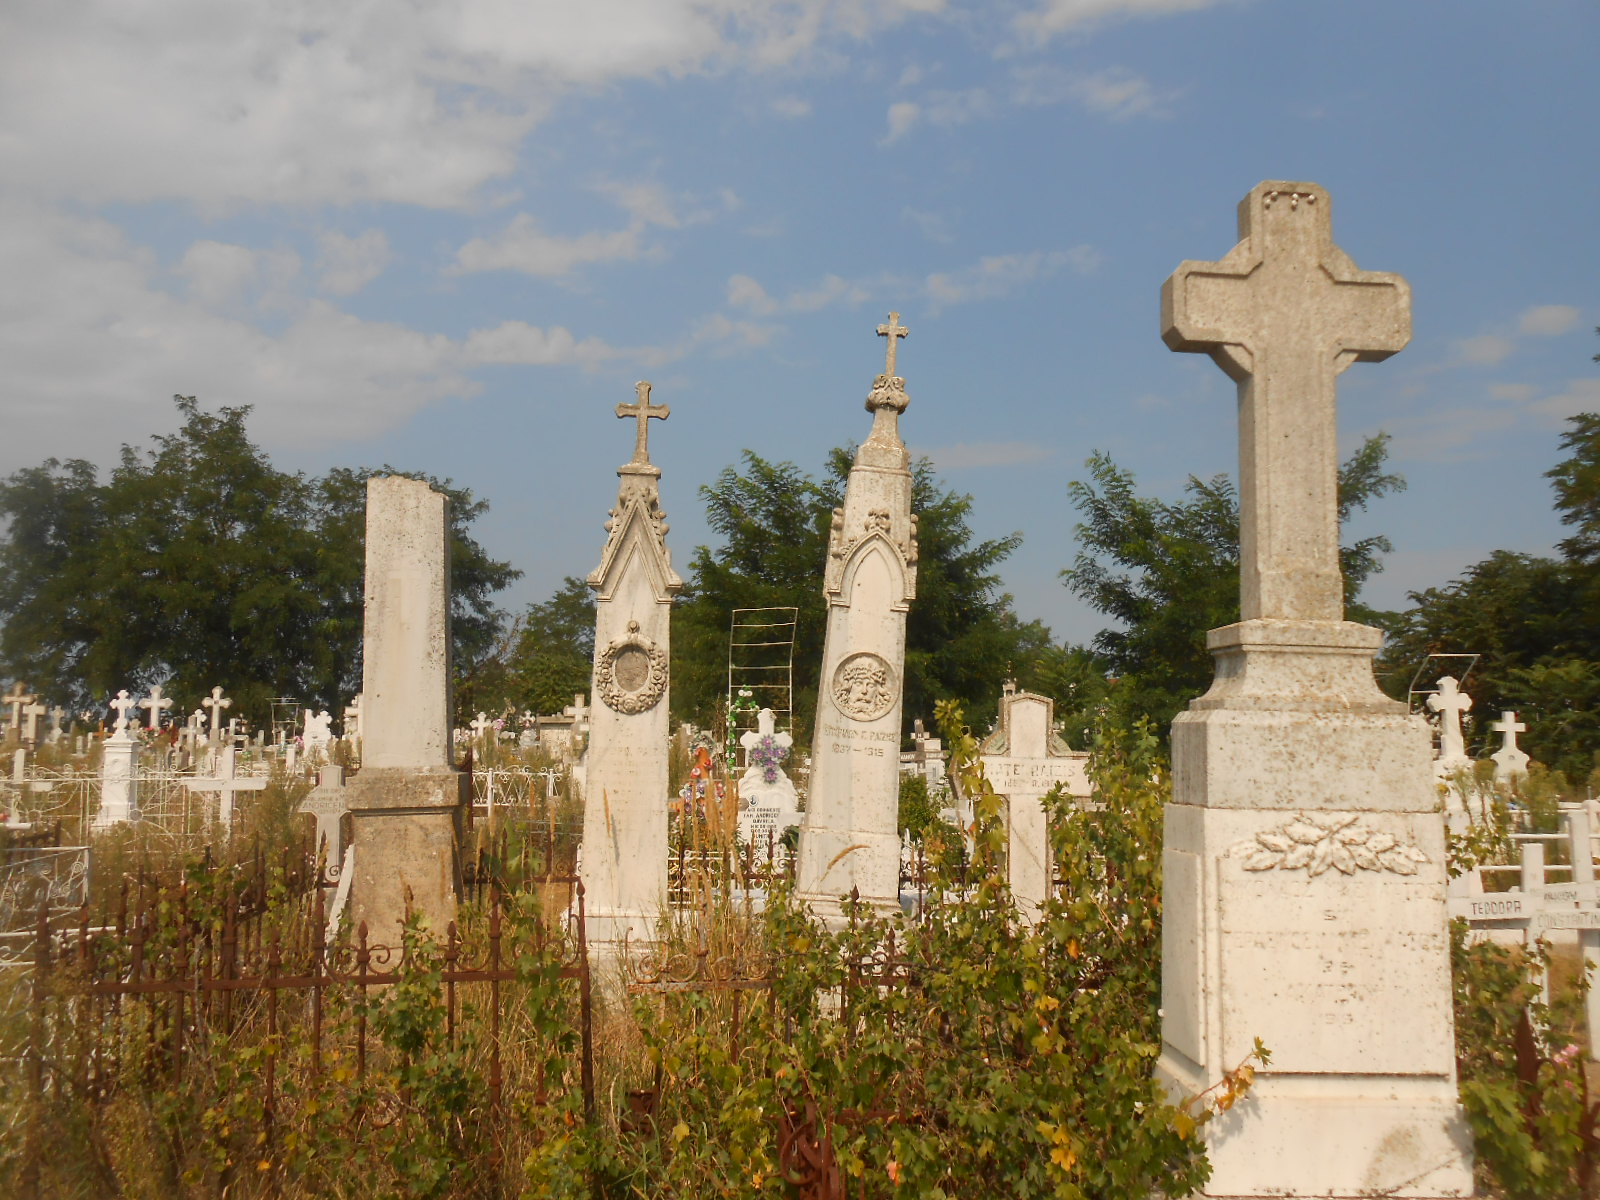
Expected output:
{"points": [[848, 841], [407, 803], [1022, 760], [1304, 880], [625, 792], [119, 770]]}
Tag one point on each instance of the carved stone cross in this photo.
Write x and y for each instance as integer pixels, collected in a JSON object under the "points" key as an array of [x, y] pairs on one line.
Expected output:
{"points": [[766, 726], [1511, 760], [894, 331], [1283, 314], [1450, 702], [18, 697], [154, 703], [122, 703], [1508, 727], [216, 704], [481, 725], [643, 411], [30, 715]]}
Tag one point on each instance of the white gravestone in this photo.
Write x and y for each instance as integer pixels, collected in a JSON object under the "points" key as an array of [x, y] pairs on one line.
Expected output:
{"points": [[407, 803], [154, 705], [119, 769], [16, 700], [1023, 759], [1450, 702], [216, 702], [768, 803], [1510, 761], [849, 840], [625, 792], [30, 721], [56, 715], [226, 784], [317, 732], [1304, 875]]}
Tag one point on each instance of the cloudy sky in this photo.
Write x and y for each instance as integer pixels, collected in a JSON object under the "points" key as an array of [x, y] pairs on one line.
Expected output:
{"points": [[450, 237]]}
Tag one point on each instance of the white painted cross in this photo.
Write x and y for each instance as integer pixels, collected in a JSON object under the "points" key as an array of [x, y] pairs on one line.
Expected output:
{"points": [[481, 725], [16, 700], [56, 715], [352, 719], [578, 710], [122, 703], [1450, 702], [1510, 761], [1283, 314], [227, 783], [155, 704], [894, 331], [30, 715], [766, 726], [642, 412], [216, 704]]}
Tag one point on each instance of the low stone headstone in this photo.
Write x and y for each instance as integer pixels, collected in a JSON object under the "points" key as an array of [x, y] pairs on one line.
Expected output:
{"points": [[1023, 759], [768, 803]]}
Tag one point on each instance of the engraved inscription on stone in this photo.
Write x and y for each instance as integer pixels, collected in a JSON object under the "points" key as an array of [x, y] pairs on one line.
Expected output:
{"points": [[864, 687]]}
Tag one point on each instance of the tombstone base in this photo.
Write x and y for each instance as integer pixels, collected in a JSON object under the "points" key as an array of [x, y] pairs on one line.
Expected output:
{"points": [[1304, 904], [405, 827], [834, 858], [606, 928]]}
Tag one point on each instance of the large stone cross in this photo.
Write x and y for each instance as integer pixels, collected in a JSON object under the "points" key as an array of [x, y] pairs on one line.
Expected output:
{"points": [[894, 331], [1450, 702], [17, 699], [1283, 314], [643, 411], [154, 704], [122, 702], [216, 703]]}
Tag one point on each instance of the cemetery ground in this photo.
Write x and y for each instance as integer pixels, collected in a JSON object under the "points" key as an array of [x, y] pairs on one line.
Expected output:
{"points": [[193, 1031]]}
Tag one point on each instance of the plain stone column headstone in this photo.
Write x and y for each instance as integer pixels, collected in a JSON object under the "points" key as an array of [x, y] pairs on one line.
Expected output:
{"points": [[849, 842], [624, 865], [1304, 856]]}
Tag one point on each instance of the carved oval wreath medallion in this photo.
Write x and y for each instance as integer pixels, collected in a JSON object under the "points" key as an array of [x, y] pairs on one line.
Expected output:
{"points": [[631, 673], [864, 686]]}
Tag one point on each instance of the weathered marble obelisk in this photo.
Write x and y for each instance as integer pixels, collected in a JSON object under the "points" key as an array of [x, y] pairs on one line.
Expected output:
{"points": [[848, 841], [625, 795], [407, 802], [1304, 892]]}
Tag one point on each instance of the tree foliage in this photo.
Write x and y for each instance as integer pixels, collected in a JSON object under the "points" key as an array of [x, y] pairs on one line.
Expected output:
{"points": [[773, 520], [553, 655], [1169, 572], [195, 563]]}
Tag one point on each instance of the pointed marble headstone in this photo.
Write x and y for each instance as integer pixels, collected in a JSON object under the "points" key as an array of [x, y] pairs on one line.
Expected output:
{"points": [[1303, 869], [849, 841], [407, 802], [625, 792], [1022, 760]]}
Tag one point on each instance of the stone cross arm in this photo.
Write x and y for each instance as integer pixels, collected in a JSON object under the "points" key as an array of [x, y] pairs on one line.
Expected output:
{"points": [[1283, 313], [894, 331], [642, 412]]}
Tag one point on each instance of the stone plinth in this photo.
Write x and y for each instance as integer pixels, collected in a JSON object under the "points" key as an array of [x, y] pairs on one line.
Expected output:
{"points": [[406, 825], [119, 781], [625, 789], [849, 841]]}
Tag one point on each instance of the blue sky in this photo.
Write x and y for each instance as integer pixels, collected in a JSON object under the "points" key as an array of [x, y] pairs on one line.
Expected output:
{"points": [[451, 237]]}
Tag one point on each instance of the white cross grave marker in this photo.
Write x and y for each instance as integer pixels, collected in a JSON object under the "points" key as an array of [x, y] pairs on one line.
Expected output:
{"points": [[1283, 314], [122, 702], [227, 783], [481, 725], [1510, 761], [155, 703], [17, 699], [216, 704], [1450, 702], [30, 715], [56, 715]]}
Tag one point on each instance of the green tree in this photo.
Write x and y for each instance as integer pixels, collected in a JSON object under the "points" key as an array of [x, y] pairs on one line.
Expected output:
{"points": [[196, 562], [773, 520], [1169, 572], [553, 658]]}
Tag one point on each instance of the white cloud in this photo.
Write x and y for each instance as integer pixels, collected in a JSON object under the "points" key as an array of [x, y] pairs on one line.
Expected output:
{"points": [[933, 226], [1053, 17], [1119, 94], [518, 343], [745, 292], [1581, 395], [1548, 320], [300, 103], [347, 264], [792, 107], [985, 454], [1000, 274], [1486, 349], [523, 246], [903, 115], [1467, 431]]}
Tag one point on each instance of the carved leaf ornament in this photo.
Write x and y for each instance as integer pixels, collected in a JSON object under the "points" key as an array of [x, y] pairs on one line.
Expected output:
{"points": [[1317, 845]]}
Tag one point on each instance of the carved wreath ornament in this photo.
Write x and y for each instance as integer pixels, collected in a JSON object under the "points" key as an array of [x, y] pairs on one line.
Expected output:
{"points": [[1313, 845], [631, 674]]}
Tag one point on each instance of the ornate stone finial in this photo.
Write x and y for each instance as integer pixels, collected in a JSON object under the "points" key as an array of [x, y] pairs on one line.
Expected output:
{"points": [[642, 412]]}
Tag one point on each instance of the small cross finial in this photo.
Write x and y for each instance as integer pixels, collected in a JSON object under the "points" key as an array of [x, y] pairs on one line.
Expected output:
{"points": [[894, 331], [642, 412]]}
